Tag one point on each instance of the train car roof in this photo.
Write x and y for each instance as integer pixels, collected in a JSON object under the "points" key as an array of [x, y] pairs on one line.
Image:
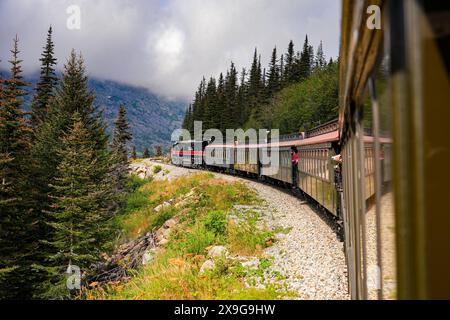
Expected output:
{"points": [[323, 138]]}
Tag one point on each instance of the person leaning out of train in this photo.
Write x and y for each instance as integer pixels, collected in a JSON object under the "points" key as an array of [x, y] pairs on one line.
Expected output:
{"points": [[294, 157]]}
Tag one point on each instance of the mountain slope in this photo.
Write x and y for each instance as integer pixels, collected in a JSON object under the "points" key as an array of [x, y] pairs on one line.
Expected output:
{"points": [[152, 118]]}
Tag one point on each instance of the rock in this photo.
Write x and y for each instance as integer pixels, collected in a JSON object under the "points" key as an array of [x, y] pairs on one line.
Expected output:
{"points": [[162, 206], [163, 242], [217, 252], [207, 265], [162, 234], [251, 264], [170, 223], [280, 236], [147, 258]]}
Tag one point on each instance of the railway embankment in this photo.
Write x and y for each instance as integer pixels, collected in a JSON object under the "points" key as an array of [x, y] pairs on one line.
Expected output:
{"points": [[215, 236]]}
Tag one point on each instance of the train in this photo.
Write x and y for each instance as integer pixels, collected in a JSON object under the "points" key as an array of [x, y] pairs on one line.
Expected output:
{"points": [[389, 191]]}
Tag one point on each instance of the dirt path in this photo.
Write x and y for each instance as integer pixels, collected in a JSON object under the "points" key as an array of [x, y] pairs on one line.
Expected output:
{"points": [[309, 257]]}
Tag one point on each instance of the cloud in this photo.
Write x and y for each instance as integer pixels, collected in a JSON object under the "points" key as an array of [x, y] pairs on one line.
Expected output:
{"points": [[167, 45]]}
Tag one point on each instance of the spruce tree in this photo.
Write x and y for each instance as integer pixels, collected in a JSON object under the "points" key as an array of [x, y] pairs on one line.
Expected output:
{"points": [[16, 236], [146, 154], [79, 220], [46, 85], [242, 97], [158, 151], [282, 75], [210, 110], [289, 71], [320, 61], [306, 61], [72, 96], [221, 104], [134, 153], [273, 84], [231, 86], [119, 160], [254, 87]]}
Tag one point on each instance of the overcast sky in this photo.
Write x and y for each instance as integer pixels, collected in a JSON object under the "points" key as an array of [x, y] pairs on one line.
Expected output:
{"points": [[167, 45]]}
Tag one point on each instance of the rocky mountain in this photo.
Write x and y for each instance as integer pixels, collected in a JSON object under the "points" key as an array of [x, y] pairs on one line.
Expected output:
{"points": [[152, 118]]}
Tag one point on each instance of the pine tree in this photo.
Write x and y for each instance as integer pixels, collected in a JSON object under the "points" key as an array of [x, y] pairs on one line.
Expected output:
{"points": [[72, 96], [158, 151], [231, 87], [273, 84], [221, 104], [320, 61], [79, 219], [242, 97], [210, 110], [254, 87], [48, 80], [134, 153], [119, 160], [289, 71], [146, 154], [306, 61], [16, 247]]}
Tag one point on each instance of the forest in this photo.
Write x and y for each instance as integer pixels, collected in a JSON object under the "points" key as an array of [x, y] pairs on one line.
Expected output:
{"points": [[298, 90], [62, 179]]}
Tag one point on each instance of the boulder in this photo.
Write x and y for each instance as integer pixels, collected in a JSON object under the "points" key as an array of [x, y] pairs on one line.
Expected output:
{"points": [[170, 223], [162, 206], [207, 265], [251, 264], [162, 234], [147, 257], [217, 252]]}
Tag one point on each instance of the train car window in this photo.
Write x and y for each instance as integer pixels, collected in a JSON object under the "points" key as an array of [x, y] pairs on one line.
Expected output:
{"points": [[371, 261], [383, 182]]}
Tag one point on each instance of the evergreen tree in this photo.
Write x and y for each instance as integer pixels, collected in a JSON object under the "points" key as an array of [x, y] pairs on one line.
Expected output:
{"points": [[231, 87], [282, 74], [46, 85], [158, 151], [210, 110], [134, 153], [242, 97], [254, 88], [72, 96], [289, 68], [146, 153], [119, 157], [273, 84], [79, 220], [306, 61], [221, 104], [320, 61], [16, 235]]}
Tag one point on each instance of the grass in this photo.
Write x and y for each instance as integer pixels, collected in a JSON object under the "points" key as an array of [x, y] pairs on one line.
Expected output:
{"points": [[174, 271], [157, 169]]}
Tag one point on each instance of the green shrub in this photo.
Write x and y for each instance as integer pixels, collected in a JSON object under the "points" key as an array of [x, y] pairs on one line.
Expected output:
{"points": [[163, 217], [157, 169], [216, 221], [198, 239], [135, 182]]}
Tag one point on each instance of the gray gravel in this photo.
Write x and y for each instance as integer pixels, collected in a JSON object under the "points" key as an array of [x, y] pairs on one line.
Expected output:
{"points": [[307, 255]]}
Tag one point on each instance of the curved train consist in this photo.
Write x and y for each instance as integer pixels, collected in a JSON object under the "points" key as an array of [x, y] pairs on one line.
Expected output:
{"points": [[390, 191]]}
